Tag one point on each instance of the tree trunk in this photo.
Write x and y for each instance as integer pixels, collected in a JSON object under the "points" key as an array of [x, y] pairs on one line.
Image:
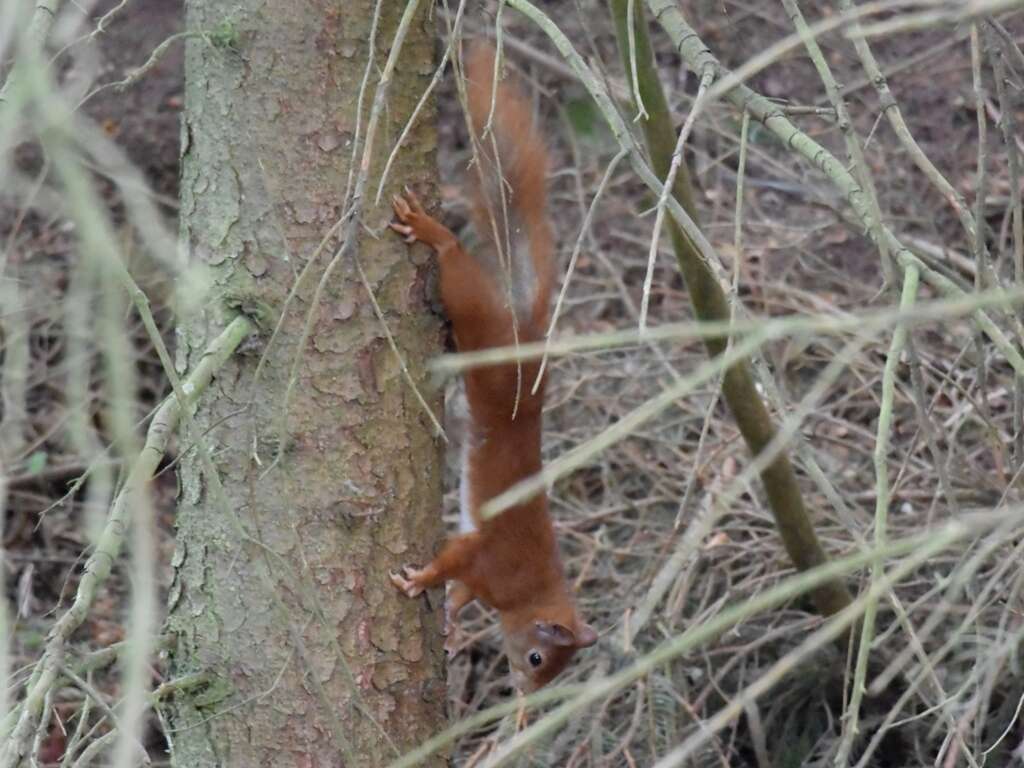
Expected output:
{"points": [[280, 594]]}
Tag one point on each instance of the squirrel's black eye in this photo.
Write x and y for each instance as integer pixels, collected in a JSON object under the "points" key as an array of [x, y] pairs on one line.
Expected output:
{"points": [[535, 659]]}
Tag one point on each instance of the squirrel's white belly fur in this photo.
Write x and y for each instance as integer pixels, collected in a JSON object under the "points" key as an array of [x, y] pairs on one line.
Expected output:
{"points": [[466, 522]]}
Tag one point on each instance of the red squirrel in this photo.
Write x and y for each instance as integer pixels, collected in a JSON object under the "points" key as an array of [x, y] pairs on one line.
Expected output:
{"points": [[510, 561]]}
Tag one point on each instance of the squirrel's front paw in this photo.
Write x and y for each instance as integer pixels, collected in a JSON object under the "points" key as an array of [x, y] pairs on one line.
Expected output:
{"points": [[407, 581], [410, 213]]}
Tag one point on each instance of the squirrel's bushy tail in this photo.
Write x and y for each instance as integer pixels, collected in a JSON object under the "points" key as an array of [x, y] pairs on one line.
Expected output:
{"points": [[509, 196]]}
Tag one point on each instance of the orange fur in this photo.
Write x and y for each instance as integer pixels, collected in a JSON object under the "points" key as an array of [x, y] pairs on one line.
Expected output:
{"points": [[511, 561]]}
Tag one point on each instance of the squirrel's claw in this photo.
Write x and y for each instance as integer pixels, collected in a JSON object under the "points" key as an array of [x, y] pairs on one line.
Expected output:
{"points": [[405, 231], [406, 585], [418, 226], [406, 208], [413, 201], [401, 207]]}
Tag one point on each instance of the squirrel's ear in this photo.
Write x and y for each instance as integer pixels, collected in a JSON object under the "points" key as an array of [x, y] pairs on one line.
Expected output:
{"points": [[586, 636], [556, 634]]}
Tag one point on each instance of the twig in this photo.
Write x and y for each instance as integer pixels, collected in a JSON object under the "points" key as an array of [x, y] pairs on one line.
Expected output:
{"points": [[135, 75], [351, 230], [499, 60], [638, 99], [697, 54], [623, 136], [1009, 45], [695, 532], [917, 550], [43, 728], [784, 666], [853, 147], [924, 420], [980, 252], [97, 698], [882, 499], [778, 478], [891, 109], [5, 621], [582, 454], [95, 236], [775, 327], [108, 545], [922, 545], [945, 14], [577, 247], [76, 738], [1007, 125], [952, 640], [438, 74], [670, 185], [33, 39], [101, 24]]}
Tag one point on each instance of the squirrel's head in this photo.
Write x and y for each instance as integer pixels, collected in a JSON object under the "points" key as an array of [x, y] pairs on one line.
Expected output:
{"points": [[542, 649]]}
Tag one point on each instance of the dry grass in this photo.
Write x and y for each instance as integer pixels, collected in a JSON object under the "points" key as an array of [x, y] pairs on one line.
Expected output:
{"points": [[802, 256]]}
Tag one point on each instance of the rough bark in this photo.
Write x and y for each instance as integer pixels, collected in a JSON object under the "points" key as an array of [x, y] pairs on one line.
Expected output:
{"points": [[314, 658]]}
